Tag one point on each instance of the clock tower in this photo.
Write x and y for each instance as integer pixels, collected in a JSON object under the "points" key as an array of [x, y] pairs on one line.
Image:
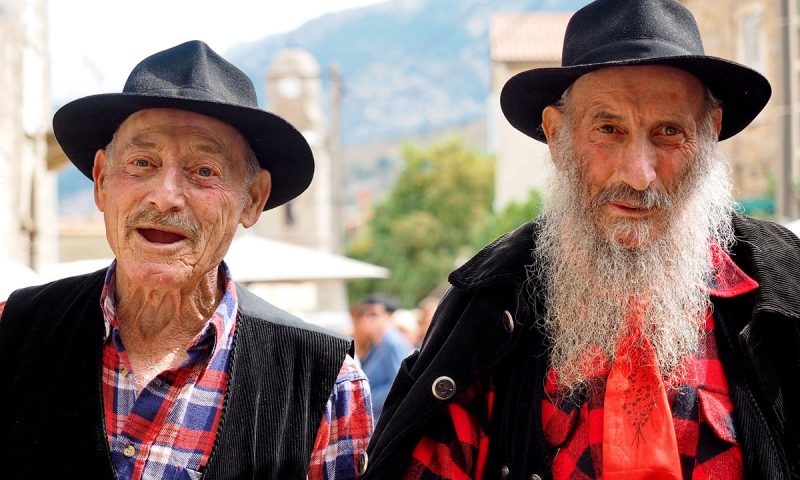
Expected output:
{"points": [[294, 93]]}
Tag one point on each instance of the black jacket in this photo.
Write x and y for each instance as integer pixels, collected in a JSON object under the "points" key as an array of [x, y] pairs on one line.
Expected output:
{"points": [[471, 334], [281, 373]]}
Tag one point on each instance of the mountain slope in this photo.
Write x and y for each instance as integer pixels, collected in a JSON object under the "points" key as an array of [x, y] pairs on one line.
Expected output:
{"points": [[408, 65]]}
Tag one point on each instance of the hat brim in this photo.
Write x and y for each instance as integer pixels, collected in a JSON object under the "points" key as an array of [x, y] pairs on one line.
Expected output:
{"points": [[86, 125], [742, 91]]}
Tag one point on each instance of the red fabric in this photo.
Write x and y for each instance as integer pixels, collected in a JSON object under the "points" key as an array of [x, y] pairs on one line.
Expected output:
{"points": [[638, 434], [700, 405], [457, 446]]}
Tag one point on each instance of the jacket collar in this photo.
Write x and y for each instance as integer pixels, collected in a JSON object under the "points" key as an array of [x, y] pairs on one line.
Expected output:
{"points": [[770, 254], [504, 260]]}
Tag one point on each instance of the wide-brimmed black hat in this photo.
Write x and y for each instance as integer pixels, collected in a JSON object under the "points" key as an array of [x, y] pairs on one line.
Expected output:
{"points": [[190, 77], [609, 33]]}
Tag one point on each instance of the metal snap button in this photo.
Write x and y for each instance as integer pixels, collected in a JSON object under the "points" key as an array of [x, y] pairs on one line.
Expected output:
{"points": [[444, 388], [535, 477], [504, 471], [363, 460], [508, 321]]}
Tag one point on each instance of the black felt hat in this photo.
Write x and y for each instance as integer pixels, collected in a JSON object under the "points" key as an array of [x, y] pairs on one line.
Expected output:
{"points": [[609, 33], [190, 77]]}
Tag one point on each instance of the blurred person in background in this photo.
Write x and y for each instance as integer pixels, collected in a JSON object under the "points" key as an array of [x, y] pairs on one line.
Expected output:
{"points": [[380, 345], [427, 306], [405, 321]]}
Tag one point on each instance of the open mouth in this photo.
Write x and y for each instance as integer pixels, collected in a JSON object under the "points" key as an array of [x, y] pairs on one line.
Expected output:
{"points": [[153, 235]]}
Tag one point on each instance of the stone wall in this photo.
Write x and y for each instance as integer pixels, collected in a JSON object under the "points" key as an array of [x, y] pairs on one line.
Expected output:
{"points": [[27, 208], [748, 32]]}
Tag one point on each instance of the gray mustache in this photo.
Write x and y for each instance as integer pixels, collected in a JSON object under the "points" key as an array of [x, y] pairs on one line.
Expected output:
{"points": [[649, 198], [172, 220]]}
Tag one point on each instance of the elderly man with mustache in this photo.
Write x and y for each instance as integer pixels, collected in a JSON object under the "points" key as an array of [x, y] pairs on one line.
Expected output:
{"points": [[640, 328], [161, 366]]}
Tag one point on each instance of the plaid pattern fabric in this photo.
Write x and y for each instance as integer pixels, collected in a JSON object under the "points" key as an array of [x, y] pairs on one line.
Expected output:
{"points": [[700, 403], [457, 446], [168, 431], [346, 427]]}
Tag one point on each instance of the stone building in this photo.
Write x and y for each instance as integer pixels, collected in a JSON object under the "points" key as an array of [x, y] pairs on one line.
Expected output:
{"points": [[752, 32], [519, 42], [27, 186], [294, 91]]}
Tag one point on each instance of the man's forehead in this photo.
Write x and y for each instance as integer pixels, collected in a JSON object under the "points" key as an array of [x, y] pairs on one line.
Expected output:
{"points": [[670, 87], [145, 125]]}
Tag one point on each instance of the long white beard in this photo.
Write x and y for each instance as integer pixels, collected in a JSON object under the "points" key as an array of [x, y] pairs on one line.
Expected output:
{"points": [[588, 278]]}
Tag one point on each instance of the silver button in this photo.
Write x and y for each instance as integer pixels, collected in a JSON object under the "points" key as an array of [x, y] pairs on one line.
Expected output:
{"points": [[443, 388], [508, 321], [535, 477], [129, 451], [363, 460], [504, 472]]}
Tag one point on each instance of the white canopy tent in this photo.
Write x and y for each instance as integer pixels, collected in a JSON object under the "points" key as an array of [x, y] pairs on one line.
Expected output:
{"points": [[254, 259], [16, 275], [287, 275]]}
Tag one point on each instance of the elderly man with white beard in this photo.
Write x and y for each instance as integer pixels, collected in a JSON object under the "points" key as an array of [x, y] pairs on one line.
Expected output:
{"points": [[641, 328]]}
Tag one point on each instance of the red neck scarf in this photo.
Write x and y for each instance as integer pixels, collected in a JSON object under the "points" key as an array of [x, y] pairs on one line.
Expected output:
{"points": [[638, 434]]}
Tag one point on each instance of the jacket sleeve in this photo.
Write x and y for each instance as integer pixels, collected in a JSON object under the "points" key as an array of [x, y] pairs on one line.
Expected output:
{"points": [[465, 340]]}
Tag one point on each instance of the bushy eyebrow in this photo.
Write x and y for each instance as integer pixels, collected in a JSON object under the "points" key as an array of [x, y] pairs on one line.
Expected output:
{"points": [[210, 148], [139, 142], [604, 115]]}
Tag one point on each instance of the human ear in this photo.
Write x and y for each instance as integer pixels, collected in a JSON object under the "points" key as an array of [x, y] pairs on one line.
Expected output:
{"points": [[99, 177], [552, 117], [256, 197], [716, 117]]}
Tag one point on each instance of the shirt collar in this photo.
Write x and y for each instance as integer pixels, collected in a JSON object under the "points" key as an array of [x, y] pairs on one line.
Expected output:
{"points": [[217, 329], [728, 280]]}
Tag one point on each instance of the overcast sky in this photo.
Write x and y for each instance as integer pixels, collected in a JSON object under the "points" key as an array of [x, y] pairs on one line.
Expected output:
{"points": [[94, 44]]}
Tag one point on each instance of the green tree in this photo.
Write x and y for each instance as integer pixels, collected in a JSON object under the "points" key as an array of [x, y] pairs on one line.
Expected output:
{"points": [[440, 199], [512, 216]]}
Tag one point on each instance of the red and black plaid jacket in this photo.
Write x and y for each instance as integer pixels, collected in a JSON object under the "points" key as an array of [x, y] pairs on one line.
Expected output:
{"points": [[457, 444]]}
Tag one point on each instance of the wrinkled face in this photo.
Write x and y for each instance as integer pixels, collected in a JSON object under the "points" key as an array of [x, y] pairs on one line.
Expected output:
{"points": [[173, 190], [635, 134]]}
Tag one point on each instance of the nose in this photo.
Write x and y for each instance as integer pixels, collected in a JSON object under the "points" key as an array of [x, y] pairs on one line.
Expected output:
{"points": [[168, 193], [638, 167]]}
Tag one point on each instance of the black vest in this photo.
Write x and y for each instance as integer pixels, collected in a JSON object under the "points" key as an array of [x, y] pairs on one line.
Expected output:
{"points": [[282, 372]]}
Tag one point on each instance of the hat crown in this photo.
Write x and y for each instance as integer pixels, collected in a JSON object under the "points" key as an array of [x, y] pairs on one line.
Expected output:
{"points": [[192, 70], [619, 30]]}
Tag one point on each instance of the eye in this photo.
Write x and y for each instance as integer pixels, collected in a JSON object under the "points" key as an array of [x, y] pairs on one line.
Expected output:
{"points": [[671, 131], [141, 162], [606, 129], [205, 172]]}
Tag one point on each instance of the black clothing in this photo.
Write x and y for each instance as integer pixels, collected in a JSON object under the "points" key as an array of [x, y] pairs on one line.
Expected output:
{"points": [[52, 425], [758, 335]]}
